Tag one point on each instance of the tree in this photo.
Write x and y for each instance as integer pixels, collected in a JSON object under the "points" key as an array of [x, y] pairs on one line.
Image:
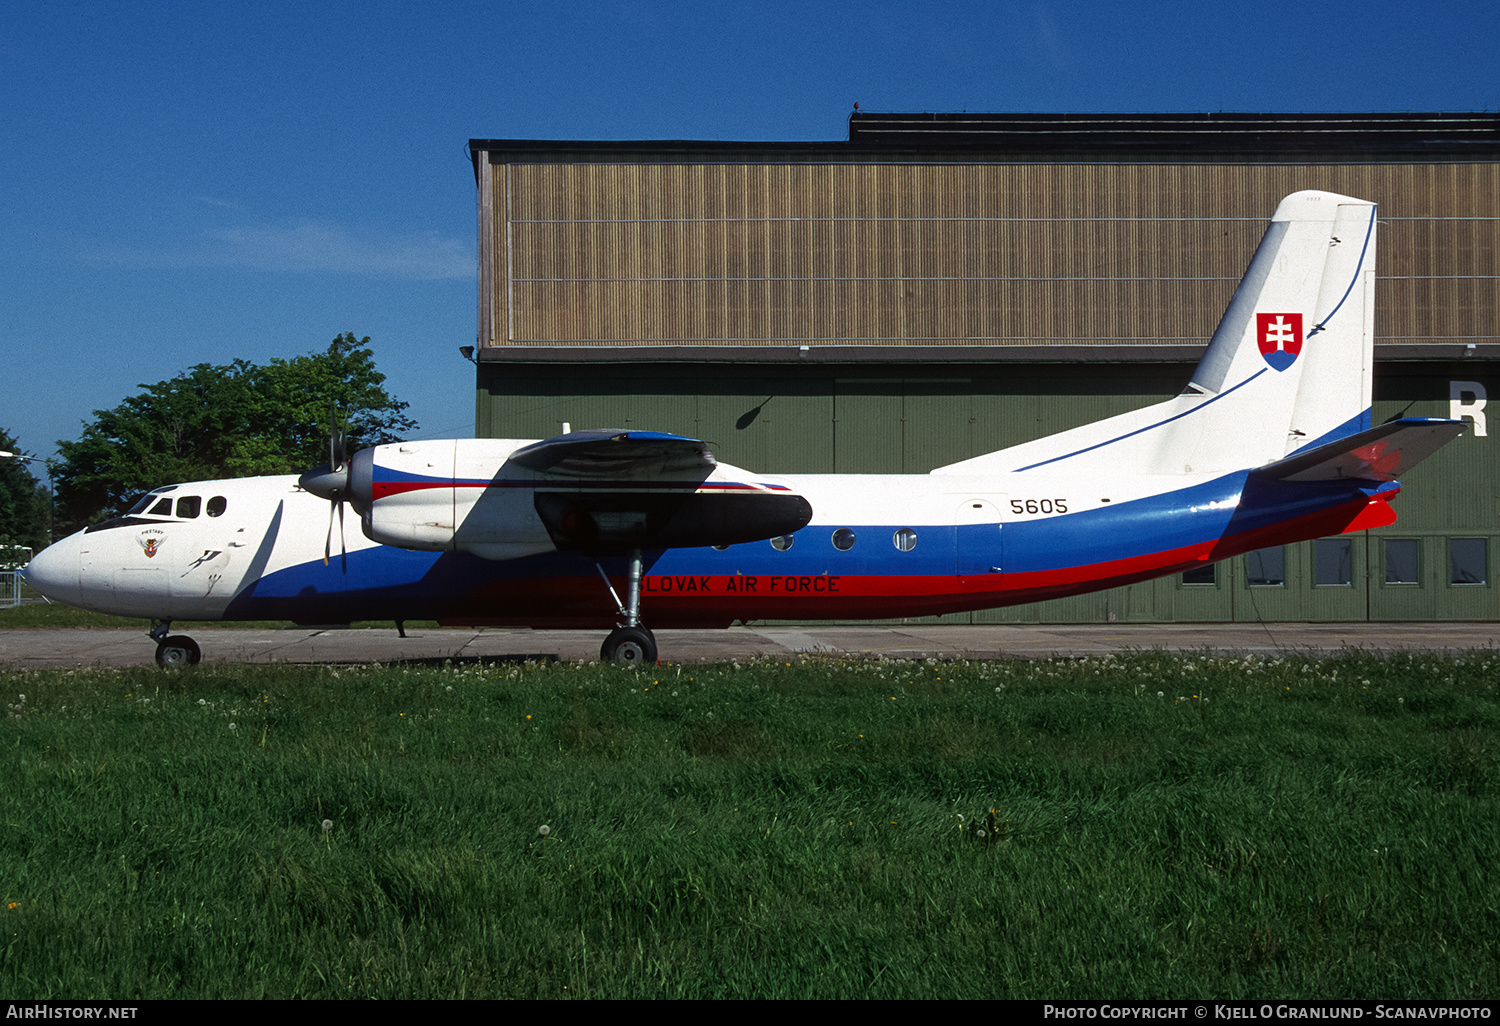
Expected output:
{"points": [[236, 420], [23, 505]]}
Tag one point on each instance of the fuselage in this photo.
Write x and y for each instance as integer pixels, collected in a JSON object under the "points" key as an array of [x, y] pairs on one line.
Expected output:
{"points": [[877, 546]]}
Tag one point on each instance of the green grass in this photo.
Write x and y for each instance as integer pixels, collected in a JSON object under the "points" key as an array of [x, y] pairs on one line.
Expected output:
{"points": [[1162, 826]]}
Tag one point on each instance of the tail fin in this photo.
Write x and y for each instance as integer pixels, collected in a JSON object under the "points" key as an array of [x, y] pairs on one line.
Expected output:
{"points": [[1289, 366]]}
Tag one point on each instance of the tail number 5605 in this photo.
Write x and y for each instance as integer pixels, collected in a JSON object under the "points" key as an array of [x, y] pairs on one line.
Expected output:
{"points": [[1038, 505]]}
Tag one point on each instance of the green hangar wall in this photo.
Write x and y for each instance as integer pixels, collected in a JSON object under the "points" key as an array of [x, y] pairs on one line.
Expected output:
{"points": [[942, 286]]}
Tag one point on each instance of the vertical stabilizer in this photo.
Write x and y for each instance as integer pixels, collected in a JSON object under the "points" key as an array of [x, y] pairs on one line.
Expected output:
{"points": [[1295, 343], [1288, 366]]}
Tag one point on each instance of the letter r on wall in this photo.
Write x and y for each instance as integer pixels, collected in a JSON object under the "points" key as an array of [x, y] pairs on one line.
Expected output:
{"points": [[1458, 409]]}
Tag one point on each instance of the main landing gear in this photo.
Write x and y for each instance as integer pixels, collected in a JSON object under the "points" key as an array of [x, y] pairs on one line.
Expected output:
{"points": [[175, 650], [630, 644]]}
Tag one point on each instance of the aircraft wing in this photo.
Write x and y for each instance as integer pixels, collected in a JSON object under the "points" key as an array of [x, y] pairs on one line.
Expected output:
{"points": [[617, 455], [612, 491], [1380, 453]]}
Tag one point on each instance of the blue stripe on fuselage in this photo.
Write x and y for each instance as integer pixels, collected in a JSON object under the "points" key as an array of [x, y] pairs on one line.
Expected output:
{"points": [[384, 582]]}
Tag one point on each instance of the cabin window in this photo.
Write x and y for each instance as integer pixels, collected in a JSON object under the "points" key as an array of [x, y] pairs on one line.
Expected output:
{"points": [[162, 508], [188, 506], [1468, 561], [1266, 568], [843, 539], [905, 539], [216, 506], [1333, 563], [1401, 561], [781, 542]]}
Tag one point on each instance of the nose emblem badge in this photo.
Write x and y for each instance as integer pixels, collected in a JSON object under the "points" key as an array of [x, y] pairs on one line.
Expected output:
{"points": [[149, 542]]}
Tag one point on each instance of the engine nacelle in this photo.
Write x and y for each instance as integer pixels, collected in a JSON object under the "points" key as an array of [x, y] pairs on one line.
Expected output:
{"points": [[443, 496], [597, 493]]}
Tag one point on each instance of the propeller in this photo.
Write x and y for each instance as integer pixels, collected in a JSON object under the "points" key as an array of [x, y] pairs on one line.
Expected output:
{"points": [[332, 481]]}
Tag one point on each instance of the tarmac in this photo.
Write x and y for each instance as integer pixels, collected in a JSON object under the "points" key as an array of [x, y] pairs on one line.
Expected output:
{"points": [[94, 647]]}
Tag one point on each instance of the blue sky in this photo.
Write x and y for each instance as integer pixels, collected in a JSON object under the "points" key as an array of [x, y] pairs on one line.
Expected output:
{"points": [[195, 182]]}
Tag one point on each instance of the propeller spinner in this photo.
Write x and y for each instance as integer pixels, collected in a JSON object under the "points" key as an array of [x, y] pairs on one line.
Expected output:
{"points": [[339, 482]]}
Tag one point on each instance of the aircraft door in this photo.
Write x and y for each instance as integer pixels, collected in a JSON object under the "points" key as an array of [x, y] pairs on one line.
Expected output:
{"points": [[202, 582], [978, 543]]}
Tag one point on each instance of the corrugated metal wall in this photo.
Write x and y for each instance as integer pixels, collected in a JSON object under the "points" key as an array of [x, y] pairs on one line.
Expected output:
{"points": [[889, 254], [864, 418], [640, 255]]}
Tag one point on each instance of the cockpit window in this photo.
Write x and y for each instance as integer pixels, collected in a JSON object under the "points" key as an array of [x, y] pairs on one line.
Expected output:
{"points": [[141, 504], [162, 508], [188, 506], [216, 506]]}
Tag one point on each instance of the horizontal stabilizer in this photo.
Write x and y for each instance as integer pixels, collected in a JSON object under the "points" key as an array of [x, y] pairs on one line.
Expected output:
{"points": [[617, 455], [1380, 453]]}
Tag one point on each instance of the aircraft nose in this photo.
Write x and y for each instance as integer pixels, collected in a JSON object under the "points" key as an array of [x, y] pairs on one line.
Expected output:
{"points": [[54, 572]]}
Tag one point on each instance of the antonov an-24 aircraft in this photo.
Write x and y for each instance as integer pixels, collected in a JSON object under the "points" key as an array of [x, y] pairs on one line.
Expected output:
{"points": [[1271, 442]]}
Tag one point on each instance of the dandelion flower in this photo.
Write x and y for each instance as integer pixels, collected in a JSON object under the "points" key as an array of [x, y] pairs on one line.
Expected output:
{"points": [[543, 830], [233, 727], [327, 825]]}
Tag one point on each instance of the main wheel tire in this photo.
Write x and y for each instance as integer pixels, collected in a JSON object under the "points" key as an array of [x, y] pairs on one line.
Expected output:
{"points": [[177, 651], [629, 646]]}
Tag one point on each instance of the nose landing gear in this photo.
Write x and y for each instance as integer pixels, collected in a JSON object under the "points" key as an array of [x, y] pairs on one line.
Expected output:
{"points": [[173, 651]]}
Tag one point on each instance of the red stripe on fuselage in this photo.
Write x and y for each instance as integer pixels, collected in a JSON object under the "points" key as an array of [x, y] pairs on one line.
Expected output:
{"points": [[688, 600]]}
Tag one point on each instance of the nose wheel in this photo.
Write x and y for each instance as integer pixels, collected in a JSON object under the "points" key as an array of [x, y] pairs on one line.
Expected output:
{"points": [[630, 644], [175, 650]]}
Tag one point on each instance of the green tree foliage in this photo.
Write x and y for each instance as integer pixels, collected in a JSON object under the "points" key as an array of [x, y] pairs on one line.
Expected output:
{"points": [[23, 505], [239, 420]]}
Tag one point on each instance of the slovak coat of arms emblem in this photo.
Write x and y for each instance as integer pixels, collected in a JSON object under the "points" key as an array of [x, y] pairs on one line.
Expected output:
{"points": [[1280, 338]]}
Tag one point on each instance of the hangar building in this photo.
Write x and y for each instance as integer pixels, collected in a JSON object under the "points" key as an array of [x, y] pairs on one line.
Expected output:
{"points": [[944, 285]]}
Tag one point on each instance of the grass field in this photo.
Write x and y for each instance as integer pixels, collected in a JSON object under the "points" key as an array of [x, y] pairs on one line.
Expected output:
{"points": [[1149, 826]]}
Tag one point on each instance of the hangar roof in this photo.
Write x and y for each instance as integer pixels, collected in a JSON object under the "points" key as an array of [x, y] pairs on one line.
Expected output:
{"points": [[1109, 138]]}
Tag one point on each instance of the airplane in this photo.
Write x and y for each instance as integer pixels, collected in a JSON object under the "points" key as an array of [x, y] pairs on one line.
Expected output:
{"points": [[1271, 442]]}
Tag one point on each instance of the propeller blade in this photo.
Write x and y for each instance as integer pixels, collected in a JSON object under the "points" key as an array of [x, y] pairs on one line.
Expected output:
{"points": [[328, 540], [338, 441], [332, 481]]}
